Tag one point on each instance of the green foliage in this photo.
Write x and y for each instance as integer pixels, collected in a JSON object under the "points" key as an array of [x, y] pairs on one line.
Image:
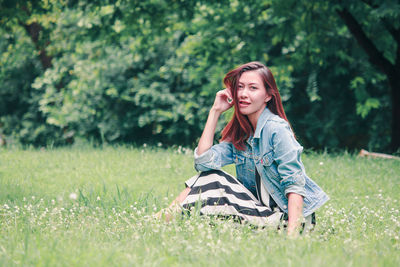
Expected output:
{"points": [[121, 78], [339, 95], [129, 71], [20, 116]]}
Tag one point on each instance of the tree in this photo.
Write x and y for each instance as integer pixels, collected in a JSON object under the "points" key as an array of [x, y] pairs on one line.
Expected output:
{"points": [[132, 76], [147, 71], [26, 14], [24, 57], [387, 14], [374, 25]]}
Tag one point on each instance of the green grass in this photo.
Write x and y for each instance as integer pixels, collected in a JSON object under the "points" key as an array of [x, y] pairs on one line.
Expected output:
{"points": [[42, 224]]}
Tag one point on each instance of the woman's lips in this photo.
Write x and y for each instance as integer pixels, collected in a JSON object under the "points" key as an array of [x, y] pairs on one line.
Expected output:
{"points": [[243, 104]]}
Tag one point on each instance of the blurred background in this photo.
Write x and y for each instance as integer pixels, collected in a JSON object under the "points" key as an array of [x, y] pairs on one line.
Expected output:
{"points": [[134, 72]]}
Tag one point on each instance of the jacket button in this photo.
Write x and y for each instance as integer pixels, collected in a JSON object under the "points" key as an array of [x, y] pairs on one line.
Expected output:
{"points": [[272, 191], [284, 206]]}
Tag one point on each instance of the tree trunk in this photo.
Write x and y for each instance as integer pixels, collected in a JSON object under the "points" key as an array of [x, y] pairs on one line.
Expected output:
{"points": [[378, 59], [33, 30]]}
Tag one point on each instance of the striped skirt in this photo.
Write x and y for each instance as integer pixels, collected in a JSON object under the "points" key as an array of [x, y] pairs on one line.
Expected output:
{"points": [[219, 193]]}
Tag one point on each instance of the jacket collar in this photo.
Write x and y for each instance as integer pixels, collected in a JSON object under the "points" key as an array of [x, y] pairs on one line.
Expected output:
{"points": [[262, 120], [264, 117]]}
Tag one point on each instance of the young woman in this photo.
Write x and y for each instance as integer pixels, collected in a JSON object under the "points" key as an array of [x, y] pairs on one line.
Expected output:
{"points": [[271, 182]]}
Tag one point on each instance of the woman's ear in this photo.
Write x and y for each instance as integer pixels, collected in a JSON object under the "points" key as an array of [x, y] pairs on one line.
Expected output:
{"points": [[268, 98]]}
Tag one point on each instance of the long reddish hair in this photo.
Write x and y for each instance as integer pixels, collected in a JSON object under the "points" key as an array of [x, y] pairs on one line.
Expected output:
{"points": [[239, 128]]}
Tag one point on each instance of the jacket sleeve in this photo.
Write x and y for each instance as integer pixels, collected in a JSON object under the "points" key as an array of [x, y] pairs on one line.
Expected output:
{"points": [[213, 159], [287, 153]]}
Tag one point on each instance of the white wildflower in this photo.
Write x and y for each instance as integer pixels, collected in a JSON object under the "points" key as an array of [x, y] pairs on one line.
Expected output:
{"points": [[73, 196]]}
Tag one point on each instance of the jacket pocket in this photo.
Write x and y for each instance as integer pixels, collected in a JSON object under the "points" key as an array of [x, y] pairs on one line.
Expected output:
{"points": [[267, 161]]}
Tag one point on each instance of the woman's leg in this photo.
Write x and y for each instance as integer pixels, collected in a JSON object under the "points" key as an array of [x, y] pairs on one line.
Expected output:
{"points": [[182, 195], [174, 207]]}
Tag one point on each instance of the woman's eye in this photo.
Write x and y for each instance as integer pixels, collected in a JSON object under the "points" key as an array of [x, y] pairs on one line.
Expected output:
{"points": [[253, 87]]}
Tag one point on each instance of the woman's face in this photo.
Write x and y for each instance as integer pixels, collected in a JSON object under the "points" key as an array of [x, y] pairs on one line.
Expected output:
{"points": [[252, 96]]}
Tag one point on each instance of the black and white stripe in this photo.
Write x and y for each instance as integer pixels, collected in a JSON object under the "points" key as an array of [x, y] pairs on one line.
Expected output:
{"points": [[218, 193]]}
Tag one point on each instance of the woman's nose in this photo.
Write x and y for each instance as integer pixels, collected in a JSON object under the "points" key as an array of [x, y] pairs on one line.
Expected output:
{"points": [[243, 93]]}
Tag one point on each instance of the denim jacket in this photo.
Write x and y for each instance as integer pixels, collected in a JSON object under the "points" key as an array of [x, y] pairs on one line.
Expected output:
{"points": [[275, 153]]}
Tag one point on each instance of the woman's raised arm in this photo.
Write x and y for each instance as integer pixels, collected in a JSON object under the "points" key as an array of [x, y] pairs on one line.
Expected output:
{"points": [[222, 102]]}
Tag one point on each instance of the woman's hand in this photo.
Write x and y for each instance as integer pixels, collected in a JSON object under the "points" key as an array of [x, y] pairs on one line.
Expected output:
{"points": [[223, 101]]}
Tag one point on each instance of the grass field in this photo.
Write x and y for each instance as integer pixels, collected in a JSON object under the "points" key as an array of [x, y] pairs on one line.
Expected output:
{"points": [[88, 207]]}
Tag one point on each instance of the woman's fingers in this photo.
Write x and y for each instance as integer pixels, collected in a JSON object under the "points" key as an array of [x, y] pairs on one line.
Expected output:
{"points": [[226, 94], [223, 100], [230, 98], [228, 91]]}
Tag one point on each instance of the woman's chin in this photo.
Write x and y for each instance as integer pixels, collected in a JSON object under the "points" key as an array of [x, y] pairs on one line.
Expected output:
{"points": [[245, 110]]}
